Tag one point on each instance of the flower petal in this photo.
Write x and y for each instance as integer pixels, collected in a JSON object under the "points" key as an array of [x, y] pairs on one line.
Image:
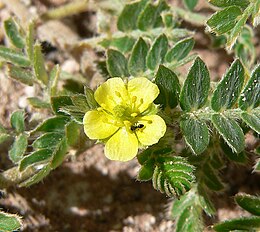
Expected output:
{"points": [[154, 128], [122, 146], [111, 93], [96, 125], [142, 88]]}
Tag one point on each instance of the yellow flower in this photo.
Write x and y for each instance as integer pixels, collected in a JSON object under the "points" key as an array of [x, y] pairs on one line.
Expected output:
{"points": [[126, 118]]}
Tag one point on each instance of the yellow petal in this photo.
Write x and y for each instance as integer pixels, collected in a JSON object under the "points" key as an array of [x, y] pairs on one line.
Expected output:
{"points": [[154, 128], [96, 125], [144, 91], [122, 146], [111, 93]]}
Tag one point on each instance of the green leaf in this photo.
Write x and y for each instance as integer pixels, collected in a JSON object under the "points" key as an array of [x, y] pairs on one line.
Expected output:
{"points": [[249, 203], [39, 66], [230, 131], [236, 30], [20, 74], [205, 202], [38, 103], [196, 134], [173, 175], [169, 86], [57, 103], [14, 57], [4, 137], [35, 158], [123, 44], [37, 177], [116, 64], [180, 50], [72, 132], [127, 20], [30, 40], [229, 88], [157, 52], [252, 120], [18, 148], [9, 222], [48, 140], [239, 158], [17, 121], [13, 33], [226, 3], [190, 220], [241, 224], [90, 98], [144, 156], [211, 178], [194, 93], [53, 124], [137, 60], [250, 97], [53, 82], [224, 20], [190, 4], [59, 153], [146, 171], [150, 17]]}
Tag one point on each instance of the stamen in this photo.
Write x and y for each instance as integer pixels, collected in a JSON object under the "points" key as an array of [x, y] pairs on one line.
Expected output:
{"points": [[134, 114], [118, 94], [134, 98]]}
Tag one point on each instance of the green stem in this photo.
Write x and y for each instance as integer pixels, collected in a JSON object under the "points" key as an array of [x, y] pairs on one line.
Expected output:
{"points": [[69, 9]]}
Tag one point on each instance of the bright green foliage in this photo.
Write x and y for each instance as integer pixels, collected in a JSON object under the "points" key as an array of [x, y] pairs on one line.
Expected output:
{"points": [[198, 141], [9, 222], [232, 18], [250, 97], [116, 64], [21, 75], [252, 223], [229, 88], [17, 121], [169, 87], [18, 148], [123, 44], [13, 56], [137, 60], [194, 93], [157, 52], [39, 69], [180, 50], [13, 34], [230, 131], [190, 4], [170, 174], [249, 203]]}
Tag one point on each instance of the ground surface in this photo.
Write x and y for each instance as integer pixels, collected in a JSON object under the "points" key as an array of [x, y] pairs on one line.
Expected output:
{"points": [[89, 192]]}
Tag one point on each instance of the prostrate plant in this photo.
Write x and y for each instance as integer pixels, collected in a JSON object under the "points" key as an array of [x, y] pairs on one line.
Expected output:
{"points": [[146, 107]]}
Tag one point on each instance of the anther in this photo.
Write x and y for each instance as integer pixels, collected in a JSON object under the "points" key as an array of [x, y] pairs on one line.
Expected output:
{"points": [[134, 98]]}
